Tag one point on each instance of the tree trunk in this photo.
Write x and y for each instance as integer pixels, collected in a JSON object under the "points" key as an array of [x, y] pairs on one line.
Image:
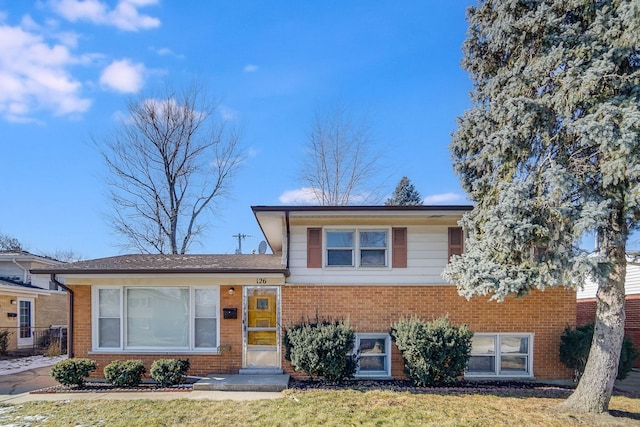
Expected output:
{"points": [[596, 384]]}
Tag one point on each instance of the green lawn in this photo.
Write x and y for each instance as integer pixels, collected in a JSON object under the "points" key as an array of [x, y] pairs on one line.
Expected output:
{"points": [[303, 408]]}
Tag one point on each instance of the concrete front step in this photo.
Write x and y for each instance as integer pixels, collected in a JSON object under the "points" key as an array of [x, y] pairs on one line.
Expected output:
{"points": [[255, 382], [260, 371]]}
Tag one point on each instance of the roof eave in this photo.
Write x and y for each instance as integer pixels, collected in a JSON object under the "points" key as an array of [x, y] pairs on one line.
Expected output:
{"points": [[104, 271]]}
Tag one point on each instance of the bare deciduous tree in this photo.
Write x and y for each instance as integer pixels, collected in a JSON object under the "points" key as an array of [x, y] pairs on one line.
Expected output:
{"points": [[169, 162], [341, 167], [9, 243]]}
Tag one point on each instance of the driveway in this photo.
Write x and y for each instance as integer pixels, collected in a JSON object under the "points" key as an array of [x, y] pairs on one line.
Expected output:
{"points": [[25, 381]]}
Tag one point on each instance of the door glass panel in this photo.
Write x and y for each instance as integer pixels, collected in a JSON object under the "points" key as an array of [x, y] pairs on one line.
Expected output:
{"points": [[25, 319]]}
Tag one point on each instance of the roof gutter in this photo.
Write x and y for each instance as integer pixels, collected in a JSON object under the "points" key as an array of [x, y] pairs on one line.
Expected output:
{"points": [[70, 325]]}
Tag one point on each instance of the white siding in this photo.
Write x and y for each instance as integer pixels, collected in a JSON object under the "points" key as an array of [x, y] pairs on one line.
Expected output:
{"points": [[9, 269], [427, 252], [631, 286]]}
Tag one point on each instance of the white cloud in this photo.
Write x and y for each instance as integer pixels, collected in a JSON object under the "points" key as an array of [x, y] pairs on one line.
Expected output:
{"points": [[435, 199], [123, 76], [250, 68], [302, 196], [124, 16], [227, 114], [34, 75], [165, 51]]}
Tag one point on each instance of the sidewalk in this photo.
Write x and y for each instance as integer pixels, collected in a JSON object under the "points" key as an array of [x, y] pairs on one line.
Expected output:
{"points": [[15, 388]]}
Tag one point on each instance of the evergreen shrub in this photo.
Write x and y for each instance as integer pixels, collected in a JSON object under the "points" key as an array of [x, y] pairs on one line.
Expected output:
{"points": [[575, 345], [168, 372], [322, 349], [73, 371], [124, 374], [434, 353]]}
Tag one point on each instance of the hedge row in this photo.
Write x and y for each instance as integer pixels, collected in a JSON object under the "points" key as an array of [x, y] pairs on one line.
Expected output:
{"points": [[129, 373]]}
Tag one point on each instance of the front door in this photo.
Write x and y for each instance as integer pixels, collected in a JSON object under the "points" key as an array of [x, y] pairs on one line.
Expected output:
{"points": [[25, 322], [261, 325]]}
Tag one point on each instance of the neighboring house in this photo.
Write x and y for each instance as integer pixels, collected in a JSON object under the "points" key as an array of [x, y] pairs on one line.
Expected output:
{"points": [[587, 302], [371, 265], [28, 305]]}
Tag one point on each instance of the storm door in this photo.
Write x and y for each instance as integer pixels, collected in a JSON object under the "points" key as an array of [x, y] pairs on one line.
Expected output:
{"points": [[25, 322], [261, 326]]}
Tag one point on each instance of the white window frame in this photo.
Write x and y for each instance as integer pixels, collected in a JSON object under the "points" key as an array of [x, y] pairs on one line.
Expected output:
{"points": [[356, 250], [387, 354], [123, 348], [498, 356]]}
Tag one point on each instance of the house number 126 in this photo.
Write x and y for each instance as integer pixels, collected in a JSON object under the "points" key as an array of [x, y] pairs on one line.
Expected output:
{"points": [[261, 281]]}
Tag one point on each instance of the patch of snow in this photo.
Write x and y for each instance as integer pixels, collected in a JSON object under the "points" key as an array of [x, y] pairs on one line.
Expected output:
{"points": [[34, 418], [20, 364]]}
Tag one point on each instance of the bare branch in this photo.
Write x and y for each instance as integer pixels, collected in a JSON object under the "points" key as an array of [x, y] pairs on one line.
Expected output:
{"points": [[168, 162]]}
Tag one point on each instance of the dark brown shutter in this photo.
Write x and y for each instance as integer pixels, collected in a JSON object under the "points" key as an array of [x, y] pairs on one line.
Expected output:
{"points": [[314, 247], [456, 241], [399, 243]]}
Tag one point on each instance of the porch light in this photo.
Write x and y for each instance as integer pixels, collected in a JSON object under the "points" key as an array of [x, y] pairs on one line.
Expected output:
{"points": [[232, 290], [13, 302]]}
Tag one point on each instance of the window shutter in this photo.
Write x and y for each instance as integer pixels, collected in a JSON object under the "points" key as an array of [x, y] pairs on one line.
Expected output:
{"points": [[314, 247], [399, 243], [456, 241]]}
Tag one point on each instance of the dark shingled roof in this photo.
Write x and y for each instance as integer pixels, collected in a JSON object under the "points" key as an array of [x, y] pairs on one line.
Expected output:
{"points": [[6, 281], [177, 264]]}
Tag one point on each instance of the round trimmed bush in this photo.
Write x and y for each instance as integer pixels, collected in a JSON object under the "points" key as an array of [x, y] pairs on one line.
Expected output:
{"points": [[124, 374], [73, 371], [434, 353], [169, 372]]}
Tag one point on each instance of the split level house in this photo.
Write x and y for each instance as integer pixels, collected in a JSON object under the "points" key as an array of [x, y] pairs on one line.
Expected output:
{"points": [[30, 306], [587, 302], [370, 265]]}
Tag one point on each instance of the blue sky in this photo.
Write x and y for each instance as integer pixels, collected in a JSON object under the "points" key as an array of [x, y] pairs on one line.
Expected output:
{"points": [[68, 68]]}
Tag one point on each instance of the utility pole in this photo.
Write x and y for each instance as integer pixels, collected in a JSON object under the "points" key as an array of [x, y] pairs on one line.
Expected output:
{"points": [[240, 238]]}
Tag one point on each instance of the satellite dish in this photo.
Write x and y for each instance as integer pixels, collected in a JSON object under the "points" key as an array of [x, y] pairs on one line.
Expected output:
{"points": [[262, 247]]}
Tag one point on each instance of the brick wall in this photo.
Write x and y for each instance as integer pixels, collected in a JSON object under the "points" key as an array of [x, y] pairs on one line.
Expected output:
{"points": [[375, 308], [229, 361], [9, 323], [587, 312], [51, 310], [370, 309]]}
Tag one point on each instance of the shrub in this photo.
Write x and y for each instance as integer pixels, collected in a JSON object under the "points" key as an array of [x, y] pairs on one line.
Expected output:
{"points": [[53, 350], [72, 371], [575, 345], [434, 353], [124, 374], [169, 372], [322, 349], [4, 341]]}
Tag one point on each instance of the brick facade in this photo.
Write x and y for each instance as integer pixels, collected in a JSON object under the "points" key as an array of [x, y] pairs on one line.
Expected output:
{"points": [[586, 313], [229, 361], [370, 309], [375, 308]]}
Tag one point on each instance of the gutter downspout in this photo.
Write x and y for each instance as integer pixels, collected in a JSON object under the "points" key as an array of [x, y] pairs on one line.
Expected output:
{"points": [[70, 326], [286, 216], [26, 272]]}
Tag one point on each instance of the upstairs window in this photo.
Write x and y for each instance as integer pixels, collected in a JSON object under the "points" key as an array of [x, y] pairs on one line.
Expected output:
{"points": [[340, 247], [370, 246], [373, 248]]}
